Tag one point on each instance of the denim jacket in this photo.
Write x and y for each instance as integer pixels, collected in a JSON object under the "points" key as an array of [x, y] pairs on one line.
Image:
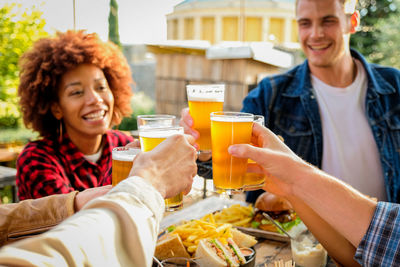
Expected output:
{"points": [[289, 105]]}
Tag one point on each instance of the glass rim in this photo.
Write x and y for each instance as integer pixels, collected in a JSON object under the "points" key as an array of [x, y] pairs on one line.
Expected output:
{"points": [[231, 114], [156, 116], [207, 85], [121, 153], [160, 128], [122, 148]]}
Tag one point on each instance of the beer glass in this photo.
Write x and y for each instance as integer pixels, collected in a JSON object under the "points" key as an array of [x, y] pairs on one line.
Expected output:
{"points": [[122, 159], [204, 99], [254, 181], [149, 139], [229, 128], [155, 121]]}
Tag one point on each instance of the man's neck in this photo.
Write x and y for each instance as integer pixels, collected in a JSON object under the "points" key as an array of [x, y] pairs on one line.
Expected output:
{"points": [[341, 74]]}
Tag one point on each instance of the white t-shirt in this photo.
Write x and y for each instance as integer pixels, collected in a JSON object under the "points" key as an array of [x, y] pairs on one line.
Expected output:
{"points": [[349, 148]]}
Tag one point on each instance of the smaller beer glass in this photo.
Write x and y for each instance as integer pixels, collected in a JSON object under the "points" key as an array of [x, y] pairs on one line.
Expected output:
{"points": [[155, 121], [254, 181], [229, 128], [204, 99], [122, 160], [149, 139]]}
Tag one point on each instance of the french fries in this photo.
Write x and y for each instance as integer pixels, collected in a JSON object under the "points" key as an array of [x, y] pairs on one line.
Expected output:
{"points": [[216, 225], [236, 215], [193, 231]]}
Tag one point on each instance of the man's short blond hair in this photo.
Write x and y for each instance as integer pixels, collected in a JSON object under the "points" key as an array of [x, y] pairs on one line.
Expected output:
{"points": [[349, 5]]}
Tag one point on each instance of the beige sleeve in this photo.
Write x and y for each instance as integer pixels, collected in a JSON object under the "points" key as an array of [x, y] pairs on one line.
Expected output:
{"points": [[34, 216], [118, 229]]}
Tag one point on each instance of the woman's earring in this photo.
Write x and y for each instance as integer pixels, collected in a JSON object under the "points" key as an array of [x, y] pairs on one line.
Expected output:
{"points": [[60, 132]]}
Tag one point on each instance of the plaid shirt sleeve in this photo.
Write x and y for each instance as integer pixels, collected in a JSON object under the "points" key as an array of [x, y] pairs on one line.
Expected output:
{"points": [[381, 244], [39, 174]]}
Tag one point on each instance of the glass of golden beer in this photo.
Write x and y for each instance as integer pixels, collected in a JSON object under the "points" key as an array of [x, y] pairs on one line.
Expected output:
{"points": [[122, 159], [204, 99], [229, 128], [254, 181], [155, 121], [149, 139]]}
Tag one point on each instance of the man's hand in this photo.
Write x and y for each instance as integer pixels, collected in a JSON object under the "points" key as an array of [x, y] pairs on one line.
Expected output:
{"points": [[169, 167], [85, 196], [280, 164]]}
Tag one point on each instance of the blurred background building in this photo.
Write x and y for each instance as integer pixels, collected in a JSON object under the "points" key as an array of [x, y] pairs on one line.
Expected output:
{"points": [[233, 20], [235, 42]]}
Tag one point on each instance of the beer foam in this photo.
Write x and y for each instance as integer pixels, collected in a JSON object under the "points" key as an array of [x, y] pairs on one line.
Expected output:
{"points": [[206, 92], [232, 118], [125, 154], [155, 133]]}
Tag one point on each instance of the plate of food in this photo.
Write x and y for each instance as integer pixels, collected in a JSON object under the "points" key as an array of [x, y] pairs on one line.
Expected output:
{"points": [[207, 243]]}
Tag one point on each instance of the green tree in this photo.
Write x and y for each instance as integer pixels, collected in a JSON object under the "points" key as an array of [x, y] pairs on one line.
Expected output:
{"points": [[368, 39], [388, 47], [19, 28], [113, 34]]}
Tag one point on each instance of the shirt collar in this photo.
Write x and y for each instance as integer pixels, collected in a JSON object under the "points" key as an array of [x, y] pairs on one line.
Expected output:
{"points": [[301, 73], [75, 157]]}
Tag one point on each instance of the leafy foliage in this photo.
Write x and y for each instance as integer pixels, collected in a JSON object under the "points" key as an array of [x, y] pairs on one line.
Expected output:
{"points": [[141, 104], [374, 21], [388, 47], [113, 33], [18, 30], [19, 135]]}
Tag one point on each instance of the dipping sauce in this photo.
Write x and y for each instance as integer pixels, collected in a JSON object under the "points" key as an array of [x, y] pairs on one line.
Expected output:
{"points": [[247, 252], [307, 252]]}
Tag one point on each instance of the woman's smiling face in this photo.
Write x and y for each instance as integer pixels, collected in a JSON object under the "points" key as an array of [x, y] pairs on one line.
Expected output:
{"points": [[85, 102]]}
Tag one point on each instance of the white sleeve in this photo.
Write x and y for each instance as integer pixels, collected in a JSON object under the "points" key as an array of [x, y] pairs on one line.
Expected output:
{"points": [[118, 229]]}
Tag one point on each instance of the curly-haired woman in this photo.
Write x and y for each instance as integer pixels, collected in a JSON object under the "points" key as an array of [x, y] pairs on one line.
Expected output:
{"points": [[73, 89]]}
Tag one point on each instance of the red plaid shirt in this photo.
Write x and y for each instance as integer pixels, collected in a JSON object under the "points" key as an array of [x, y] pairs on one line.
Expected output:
{"points": [[46, 167]]}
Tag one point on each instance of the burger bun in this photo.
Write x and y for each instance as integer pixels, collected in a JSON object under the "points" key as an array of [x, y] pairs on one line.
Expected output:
{"points": [[270, 202]]}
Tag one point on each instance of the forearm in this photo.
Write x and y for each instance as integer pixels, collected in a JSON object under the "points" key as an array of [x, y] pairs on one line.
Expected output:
{"points": [[118, 229], [31, 217], [345, 209], [338, 247]]}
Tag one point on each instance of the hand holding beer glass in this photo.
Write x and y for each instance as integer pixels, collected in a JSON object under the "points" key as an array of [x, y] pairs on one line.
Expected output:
{"points": [[152, 135], [228, 128], [202, 100]]}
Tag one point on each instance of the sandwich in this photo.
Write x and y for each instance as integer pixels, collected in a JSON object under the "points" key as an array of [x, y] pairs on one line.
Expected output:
{"points": [[169, 247], [213, 252], [242, 239], [278, 208]]}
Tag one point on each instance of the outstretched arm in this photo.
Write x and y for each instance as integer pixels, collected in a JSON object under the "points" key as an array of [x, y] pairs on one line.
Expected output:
{"points": [[120, 228], [337, 214]]}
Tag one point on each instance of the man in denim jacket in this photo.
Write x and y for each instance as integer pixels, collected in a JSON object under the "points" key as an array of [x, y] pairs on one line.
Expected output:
{"points": [[335, 110]]}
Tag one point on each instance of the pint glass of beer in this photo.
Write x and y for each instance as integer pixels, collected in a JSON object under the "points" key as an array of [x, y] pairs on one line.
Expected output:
{"points": [[155, 121], [149, 139], [229, 128], [204, 99], [122, 159], [254, 181]]}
